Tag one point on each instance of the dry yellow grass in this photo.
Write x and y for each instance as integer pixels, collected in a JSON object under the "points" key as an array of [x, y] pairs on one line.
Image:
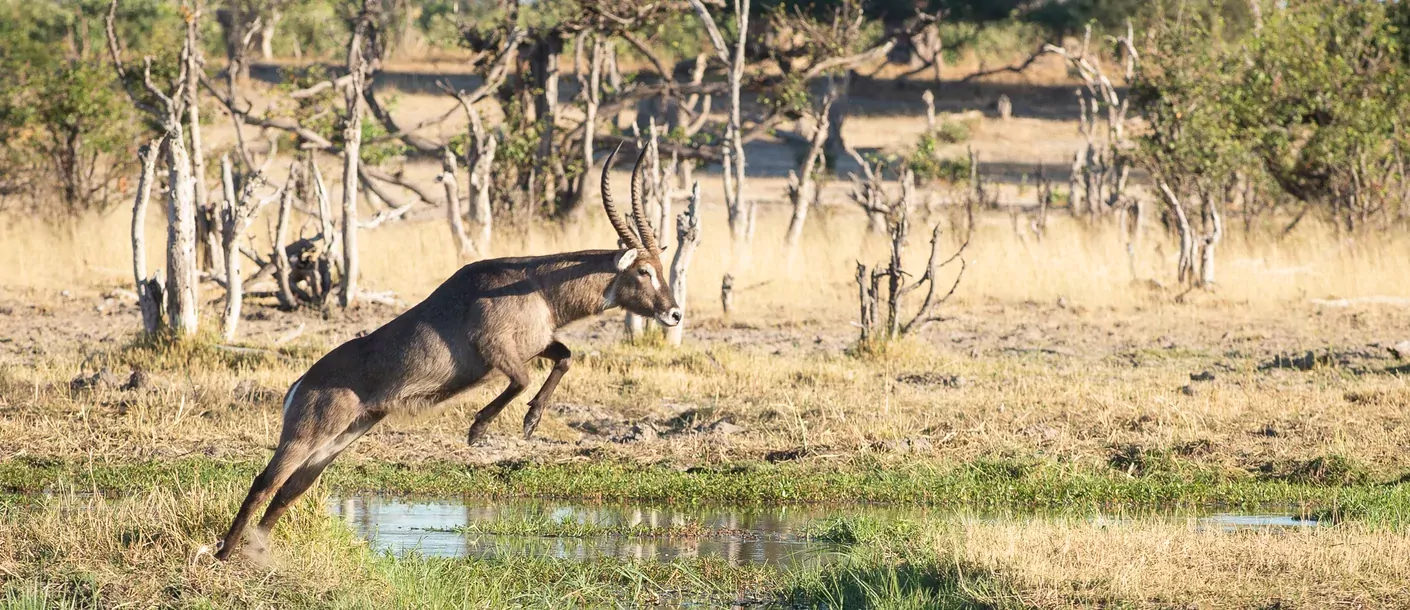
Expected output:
{"points": [[1164, 564], [1081, 265], [1090, 386]]}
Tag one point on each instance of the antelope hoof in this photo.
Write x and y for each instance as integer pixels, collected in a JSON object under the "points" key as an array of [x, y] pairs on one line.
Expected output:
{"points": [[477, 432], [222, 552], [531, 423]]}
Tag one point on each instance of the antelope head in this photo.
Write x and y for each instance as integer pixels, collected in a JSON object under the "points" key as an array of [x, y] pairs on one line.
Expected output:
{"points": [[640, 286]]}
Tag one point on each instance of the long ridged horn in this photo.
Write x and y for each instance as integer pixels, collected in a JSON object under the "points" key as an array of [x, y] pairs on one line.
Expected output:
{"points": [[643, 224], [623, 231]]}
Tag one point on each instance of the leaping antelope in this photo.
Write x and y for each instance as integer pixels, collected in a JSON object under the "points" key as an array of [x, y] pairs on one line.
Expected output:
{"points": [[492, 315]]}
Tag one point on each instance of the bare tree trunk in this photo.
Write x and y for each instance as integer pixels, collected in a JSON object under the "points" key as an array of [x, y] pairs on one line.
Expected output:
{"points": [[266, 35], [1045, 199], [183, 281], [239, 210], [614, 79], [801, 189], [231, 219], [900, 228], [352, 146], [281, 241], [866, 298], [1185, 267], [1214, 234], [634, 325], [837, 116], [169, 110], [727, 293], [545, 69], [687, 240], [929, 99], [464, 247], [353, 137], [149, 290], [1073, 185], [592, 98], [206, 223], [661, 191], [741, 213], [1133, 236], [327, 230], [481, 182]]}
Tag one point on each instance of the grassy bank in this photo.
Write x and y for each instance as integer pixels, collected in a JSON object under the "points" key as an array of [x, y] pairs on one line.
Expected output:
{"points": [[994, 485], [150, 549]]}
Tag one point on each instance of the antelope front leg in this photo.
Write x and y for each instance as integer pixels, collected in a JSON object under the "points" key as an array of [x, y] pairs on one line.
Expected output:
{"points": [[562, 359], [517, 382]]}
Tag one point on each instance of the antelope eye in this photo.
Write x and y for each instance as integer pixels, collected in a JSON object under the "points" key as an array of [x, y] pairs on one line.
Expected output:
{"points": [[642, 272]]}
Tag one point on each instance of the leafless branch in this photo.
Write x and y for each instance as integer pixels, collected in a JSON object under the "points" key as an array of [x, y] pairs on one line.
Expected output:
{"points": [[716, 40], [1016, 68]]}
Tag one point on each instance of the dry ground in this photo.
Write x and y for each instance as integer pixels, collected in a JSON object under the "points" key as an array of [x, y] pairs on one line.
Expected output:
{"points": [[1029, 379]]}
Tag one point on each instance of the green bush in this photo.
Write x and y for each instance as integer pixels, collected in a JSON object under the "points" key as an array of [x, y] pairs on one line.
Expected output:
{"points": [[1312, 103], [928, 165], [67, 131]]}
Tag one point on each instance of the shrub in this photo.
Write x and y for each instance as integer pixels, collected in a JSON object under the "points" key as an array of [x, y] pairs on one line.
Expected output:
{"points": [[66, 131]]}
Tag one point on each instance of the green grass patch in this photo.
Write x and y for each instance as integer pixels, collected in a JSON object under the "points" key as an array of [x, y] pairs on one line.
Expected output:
{"points": [[989, 485]]}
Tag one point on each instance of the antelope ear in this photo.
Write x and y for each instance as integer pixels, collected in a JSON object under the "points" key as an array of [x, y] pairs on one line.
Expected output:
{"points": [[626, 258]]}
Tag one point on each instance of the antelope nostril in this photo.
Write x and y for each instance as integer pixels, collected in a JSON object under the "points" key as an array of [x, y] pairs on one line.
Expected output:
{"points": [[674, 315]]}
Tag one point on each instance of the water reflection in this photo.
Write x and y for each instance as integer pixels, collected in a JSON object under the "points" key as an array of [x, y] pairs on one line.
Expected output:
{"points": [[1230, 522], [739, 536], [749, 535]]}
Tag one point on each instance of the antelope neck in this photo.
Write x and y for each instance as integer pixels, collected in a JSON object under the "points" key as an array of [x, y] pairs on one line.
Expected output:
{"points": [[579, 284]]}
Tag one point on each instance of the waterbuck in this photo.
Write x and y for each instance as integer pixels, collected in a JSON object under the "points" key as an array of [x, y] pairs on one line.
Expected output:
{"points": [[492, 315]]}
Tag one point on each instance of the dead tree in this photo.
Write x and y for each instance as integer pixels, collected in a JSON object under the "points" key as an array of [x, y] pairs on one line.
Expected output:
{"points": [[1104, 164], [687, 240], [361, 50], [727, 293], [481, 180], [691, 116], [741, 213], [481, 147], [206, 225], [283, 269], [929, 99], [239, 210], [873, 293], [1039, 226], [168, 110], [802, 185], [1213, 221], [1185, 266], [545, 176], [868, 193], [464, 247], [149, 289], [590, 82]]}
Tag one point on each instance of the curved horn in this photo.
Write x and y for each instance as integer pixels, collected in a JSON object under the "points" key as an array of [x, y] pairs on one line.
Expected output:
{"points": [[643, 225], [623, 231]]}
